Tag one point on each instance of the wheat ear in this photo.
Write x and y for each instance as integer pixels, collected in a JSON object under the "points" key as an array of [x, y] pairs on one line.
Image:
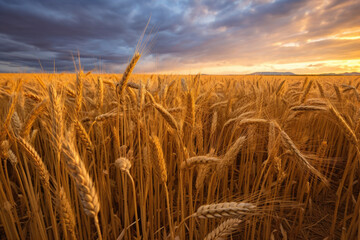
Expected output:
{"points": [[190, 109], [79, 92], [338, 93], [280, 88], [308, 108], [321, 90], [126, 75], [167, 116], [161, 172], [213, 123], [11, 109], [57, 117], [37, 161], [16, 123], [32, 117], [107, 116], [158, 158], [226, 209], [343, 124], [84, 185], [224, 229], [233, 151], [80, 130], [197, 160], [32, 96], [306, 92], [300, 157], [66, 212], [100, 93]]}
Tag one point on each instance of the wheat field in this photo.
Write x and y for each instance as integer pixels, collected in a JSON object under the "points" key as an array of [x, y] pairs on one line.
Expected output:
{"points": [[132, 156]]}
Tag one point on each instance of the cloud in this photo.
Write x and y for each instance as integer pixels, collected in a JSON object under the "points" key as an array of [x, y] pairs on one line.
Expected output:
{"points": [[188, 35]]}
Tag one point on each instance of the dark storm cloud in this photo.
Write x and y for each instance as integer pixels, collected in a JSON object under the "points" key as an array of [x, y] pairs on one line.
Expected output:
{"points": [[208, 32], [97, 29]]}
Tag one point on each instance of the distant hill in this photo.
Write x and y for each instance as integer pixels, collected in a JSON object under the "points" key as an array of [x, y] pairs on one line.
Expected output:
{"points": [[341, 74], [272, 73]]}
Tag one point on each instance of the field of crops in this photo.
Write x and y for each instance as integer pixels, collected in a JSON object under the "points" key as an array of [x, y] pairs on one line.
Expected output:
{"points": [[107, 156]]}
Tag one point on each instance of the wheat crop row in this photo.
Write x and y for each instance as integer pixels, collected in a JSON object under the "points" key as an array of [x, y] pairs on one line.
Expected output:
{"points": [[132, 156]]}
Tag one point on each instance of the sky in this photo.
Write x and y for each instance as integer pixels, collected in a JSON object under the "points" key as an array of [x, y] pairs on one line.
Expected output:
{"points": [[185, 37]]}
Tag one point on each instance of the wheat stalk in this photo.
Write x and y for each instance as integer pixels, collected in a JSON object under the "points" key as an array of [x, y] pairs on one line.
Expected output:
{"points": [[79, 92], [100, 93], [124, 165]]}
